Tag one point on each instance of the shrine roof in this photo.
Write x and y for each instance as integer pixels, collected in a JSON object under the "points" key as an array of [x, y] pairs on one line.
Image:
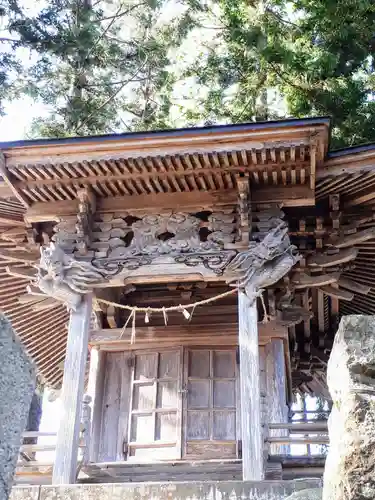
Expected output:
{"points": [[288, 163], [186, 131]]}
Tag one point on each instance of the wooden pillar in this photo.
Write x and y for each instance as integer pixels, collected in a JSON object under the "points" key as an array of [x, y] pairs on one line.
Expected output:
{"points": [[65, 469], [95, 390], [251, 429]]}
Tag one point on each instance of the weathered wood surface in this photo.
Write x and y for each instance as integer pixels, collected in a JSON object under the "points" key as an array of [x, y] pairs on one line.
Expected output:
{"points": [[353, 239], [194, 200], [337, 293], [276, 391], [302, 280], [263, 397], [301, 427], [235, 490], [290, 473], [135, 204], [213, 470], [156, 406], [95, 390], [327, 260], [299, 440], [353, 286], [168, 471], [115, 407], [299, 460], [210, 404], [65, 468], [252, 443], [205, 334], [10, 182]]}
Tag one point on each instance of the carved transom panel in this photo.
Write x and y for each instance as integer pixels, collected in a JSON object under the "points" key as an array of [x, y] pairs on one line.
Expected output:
{"points": [[156, 234]]}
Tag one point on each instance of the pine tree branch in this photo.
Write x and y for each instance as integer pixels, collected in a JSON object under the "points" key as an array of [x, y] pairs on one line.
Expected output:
{"points": [[110, 98], [125, 124], [281, 19], [122, 14], [285, 79], [4, 39], [220, 28], [94, 85]]}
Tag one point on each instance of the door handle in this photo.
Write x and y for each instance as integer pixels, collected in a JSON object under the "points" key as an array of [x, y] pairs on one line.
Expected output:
{"points": [[183, 391]]}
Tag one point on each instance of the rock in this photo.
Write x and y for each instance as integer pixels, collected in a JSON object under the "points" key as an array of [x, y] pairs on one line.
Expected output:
{"points": [[17, 382], [310, 494], [350, 467]]}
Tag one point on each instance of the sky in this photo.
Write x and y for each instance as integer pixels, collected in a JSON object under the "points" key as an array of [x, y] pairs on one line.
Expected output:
{"points": [[19, 115]]}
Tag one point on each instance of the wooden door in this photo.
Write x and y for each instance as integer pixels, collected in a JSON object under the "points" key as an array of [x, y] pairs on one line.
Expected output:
{"points": [[210, 418], [155, 416]]}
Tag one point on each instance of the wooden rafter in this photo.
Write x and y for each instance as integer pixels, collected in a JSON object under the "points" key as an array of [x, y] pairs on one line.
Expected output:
{"points": [[11, 183], [337, 293]]}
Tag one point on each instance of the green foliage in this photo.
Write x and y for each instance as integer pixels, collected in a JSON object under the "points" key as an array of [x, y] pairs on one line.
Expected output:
{"points": [[100, 67], [9, 64], [298, 58], [112, 65]]}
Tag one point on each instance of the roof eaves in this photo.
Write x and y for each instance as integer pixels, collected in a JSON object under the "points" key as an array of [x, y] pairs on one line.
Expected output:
{"points": [[292, 122]]}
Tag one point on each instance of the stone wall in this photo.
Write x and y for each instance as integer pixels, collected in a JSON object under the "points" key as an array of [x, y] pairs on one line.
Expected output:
{"points": [[350, 466], [17, 381], [228, 490]]}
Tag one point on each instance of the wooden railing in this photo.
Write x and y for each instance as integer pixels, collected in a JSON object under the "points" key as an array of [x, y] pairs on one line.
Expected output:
{"points": [[312, 433], [31, 470]]}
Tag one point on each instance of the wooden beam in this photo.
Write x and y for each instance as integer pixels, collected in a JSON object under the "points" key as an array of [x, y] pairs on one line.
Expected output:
{"points": [[40, 212], [5, 191], [288, 196], [19, 256], [355, 163], [223, 334], [27, 274], [10, 221], [251, 429], [336, 293], [353, 286], [11, 183], [350, 240], [301, 280], [324, 260], [360, 200], [65, 468]]}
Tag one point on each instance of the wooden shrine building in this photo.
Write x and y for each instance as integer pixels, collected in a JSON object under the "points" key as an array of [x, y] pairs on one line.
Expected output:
{"points": [[190, 281]]}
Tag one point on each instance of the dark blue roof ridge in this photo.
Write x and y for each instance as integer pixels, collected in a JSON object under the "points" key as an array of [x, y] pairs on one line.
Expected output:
{"points": [[351, 150], [325, 120]]}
